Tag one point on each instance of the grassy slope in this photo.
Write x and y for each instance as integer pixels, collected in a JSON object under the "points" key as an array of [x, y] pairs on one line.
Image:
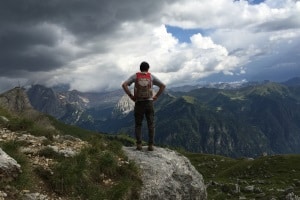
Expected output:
{"points": [[271, 176], [79, 177]]}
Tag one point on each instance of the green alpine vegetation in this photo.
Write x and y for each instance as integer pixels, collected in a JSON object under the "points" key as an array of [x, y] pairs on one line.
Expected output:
{"points": [[248, 121], [99, 171], [265, 177]]}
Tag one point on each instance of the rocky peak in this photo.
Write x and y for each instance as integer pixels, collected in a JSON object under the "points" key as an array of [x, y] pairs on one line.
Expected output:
{"points": [[123, 107], [167, 175], [15, 100], [45, 100]]}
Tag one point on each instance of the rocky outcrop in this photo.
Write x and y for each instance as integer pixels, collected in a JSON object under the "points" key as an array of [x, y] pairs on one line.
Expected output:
{"points": [[9, 168], [64, 145], [123, 107], [15, 100], [167, 175], [46, 100]]}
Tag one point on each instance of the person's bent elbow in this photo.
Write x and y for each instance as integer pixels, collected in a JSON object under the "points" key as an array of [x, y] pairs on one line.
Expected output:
{"points": [[124, 85]]}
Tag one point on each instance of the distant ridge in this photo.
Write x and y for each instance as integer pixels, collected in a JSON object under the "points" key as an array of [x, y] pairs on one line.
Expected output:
{"points": [[260, 117], [232, 85], [292, 82], [217, 85]]}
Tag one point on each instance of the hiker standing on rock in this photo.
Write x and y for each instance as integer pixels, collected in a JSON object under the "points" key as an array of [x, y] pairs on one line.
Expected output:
{"points": [[143, 97]]}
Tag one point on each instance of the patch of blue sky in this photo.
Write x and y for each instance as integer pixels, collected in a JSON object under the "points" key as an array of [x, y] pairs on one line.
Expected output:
{"points": [[252, 2], [183, 35], [255, 1]]}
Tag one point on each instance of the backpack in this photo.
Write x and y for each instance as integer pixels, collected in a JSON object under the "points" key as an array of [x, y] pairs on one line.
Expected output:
{"points": [[143, 85]]}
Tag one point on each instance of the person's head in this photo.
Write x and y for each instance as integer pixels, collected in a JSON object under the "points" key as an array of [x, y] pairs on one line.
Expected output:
{"points": [[144, 67]]}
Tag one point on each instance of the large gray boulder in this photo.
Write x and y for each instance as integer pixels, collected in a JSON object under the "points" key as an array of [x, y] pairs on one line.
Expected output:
{"points": [[167, 175]]}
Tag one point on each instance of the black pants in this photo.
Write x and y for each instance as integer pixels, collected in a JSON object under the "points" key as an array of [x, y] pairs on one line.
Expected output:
{"points": [[141, 109]]}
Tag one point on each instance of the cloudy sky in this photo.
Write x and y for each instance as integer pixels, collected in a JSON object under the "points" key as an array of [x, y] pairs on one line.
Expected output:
{"points": [[94, 45]]}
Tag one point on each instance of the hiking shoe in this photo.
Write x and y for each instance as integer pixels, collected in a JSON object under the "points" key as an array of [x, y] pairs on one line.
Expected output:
{"points": [[150, 147], [139, 147]]}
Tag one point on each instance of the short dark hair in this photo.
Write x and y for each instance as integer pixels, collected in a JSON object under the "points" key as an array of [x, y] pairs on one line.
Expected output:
{"points": [[144, 66]]}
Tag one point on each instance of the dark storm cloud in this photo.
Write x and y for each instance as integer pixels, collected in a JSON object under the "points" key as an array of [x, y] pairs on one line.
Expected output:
{"points": [[27, 42], [16, 50], [90, 44], [90, 17]]}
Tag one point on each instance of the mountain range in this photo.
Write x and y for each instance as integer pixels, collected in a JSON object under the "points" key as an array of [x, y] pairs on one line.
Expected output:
{"points": [[248, 119], [41, 158]]}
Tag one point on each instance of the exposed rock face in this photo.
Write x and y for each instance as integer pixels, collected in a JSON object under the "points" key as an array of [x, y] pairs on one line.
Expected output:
{"points": [[123, 107], [15, 100], [45, 100], [9, 168], [74, 107], [167, 175]]}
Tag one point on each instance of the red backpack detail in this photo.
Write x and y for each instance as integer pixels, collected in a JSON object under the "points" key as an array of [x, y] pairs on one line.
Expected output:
{"points": [[143, 85]]}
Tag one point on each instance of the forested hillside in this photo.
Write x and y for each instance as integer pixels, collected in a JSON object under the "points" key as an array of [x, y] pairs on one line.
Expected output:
{"points": [[249, 121]]}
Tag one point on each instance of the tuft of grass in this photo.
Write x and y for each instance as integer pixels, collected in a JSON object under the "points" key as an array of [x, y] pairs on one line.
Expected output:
{"points": [[123, 138], [96, 172], [48, 152], [20, 124]]}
